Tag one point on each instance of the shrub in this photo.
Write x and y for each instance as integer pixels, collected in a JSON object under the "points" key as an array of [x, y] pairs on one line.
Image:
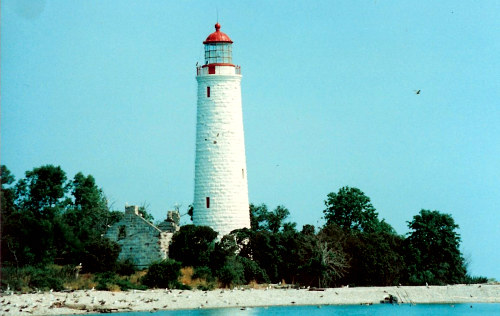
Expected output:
{"points": [[232, 273], [475, 280], [163, 274], [125, 267], [253, 272], [34, 277], [100, 255], [83, 282], [110, 281], [192, 245], [203, 273]]}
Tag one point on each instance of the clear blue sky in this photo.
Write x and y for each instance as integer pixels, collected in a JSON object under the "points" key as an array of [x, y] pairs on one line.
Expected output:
{"points": [[108, 88]]}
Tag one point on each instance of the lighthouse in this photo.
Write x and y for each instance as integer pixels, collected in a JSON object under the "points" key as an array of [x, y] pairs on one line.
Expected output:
{"points": [[221, 189]]}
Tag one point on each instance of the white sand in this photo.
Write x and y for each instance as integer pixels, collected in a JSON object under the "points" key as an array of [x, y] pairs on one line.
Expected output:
{"points": [[80, 302]]}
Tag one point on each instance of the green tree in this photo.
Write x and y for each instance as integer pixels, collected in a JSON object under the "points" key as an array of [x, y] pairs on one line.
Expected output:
{"points": [[224, 250], [99, 255], [89, 217], [433, 254], [192, 245], [258, 216], [262, 219], [350, 209], [232, 273], [9, 218], [262, 247], [375, 259], [164, 274], [275, 219], [8, 193], [40, 201], [322, 258], [42, 190], [88, 214]]}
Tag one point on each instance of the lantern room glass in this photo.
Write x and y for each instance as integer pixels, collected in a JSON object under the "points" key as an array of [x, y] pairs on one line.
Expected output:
{"points": [[218, 53]]}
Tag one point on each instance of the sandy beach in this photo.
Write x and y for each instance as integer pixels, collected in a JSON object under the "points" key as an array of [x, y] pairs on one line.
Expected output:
{"points": [[89, 301]]}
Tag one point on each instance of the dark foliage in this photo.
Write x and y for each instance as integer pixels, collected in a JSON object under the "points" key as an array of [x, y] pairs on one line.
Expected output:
{"points": [[232, 273], [203, 273], [38, 277], [432, 250], [192, 245], [350, 209], [68, 219], [100, 255], [107, 280], [375, 259], [253, 272], [125, 267], [164, 274]]}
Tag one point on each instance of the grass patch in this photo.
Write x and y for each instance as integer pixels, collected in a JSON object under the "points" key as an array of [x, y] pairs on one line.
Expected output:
{"points": [[197, 279], [84, 281]]}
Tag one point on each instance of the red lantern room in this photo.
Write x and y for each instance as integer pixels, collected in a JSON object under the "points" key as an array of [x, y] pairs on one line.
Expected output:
{"points": [[218, 55], [218, 48]]}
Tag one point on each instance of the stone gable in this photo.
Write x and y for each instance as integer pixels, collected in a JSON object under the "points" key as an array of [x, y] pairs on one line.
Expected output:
{"points": [[142, 242]]}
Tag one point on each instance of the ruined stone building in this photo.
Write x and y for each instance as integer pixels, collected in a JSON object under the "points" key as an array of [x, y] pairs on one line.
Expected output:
{"points": [[142, 242]]}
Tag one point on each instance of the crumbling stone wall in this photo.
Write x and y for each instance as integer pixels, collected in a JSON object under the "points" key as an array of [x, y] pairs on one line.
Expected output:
{"points": [[141, 241]]}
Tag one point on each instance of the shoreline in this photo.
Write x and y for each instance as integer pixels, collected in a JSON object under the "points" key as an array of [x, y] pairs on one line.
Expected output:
{"points": [[90, 301]]}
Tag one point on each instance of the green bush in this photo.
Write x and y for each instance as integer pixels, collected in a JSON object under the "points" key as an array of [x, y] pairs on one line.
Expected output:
{"points": [[110, 280], [232, 273], [125, 267], [253, 272], [203, 273], [207, 287], [475, 280], [30, 278], [164, 274], [192, 245], [100, 255]]}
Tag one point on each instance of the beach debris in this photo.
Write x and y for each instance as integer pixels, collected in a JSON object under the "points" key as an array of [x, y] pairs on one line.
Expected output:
{"points": [[390, 299], [316, 289]]}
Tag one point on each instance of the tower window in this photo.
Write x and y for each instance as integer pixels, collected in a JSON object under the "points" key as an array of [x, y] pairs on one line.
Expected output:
{"points": [[243, 173], [208, 92], [208, 201]]}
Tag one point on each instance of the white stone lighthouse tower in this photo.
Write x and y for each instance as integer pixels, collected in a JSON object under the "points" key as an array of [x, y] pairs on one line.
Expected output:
{"points": [[220, 190]]}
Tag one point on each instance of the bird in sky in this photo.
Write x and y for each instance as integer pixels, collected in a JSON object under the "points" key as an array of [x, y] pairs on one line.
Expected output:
{"points": [[417, 91]]}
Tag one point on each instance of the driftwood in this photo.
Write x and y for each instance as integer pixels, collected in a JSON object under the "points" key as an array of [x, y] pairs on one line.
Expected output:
{"points": [[98, 308], [317, 289]]}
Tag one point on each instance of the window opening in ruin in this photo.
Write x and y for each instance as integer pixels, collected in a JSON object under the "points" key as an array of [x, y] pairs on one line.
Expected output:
{"points": [[122, 232], [243, 173], [208, 202], [208, 92]]}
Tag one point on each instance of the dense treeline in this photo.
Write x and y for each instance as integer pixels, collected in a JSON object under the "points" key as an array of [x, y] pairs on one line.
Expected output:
{"points": [[354, 247], [48, 219]]}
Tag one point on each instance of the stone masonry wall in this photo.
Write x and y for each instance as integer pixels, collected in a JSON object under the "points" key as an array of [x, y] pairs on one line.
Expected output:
{"points": [[141, 241]]}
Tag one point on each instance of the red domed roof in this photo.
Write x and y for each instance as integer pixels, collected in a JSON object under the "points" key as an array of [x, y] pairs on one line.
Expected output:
{"points": [[217, 36]]}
